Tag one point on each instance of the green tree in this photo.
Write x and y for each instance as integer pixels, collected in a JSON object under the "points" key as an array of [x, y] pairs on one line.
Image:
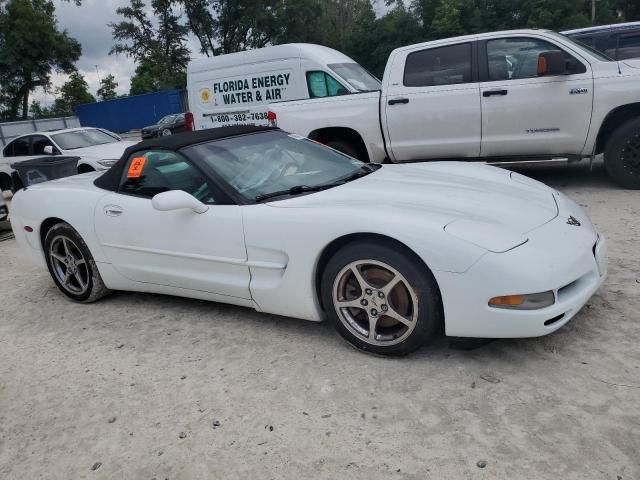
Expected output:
{"points": [[158, 48], [74, 92], [31, 48], [107, 90], [377, 37]]}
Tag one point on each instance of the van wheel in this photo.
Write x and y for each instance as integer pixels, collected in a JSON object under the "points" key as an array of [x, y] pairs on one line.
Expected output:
{"points": [[622, 155], [346, 148]]}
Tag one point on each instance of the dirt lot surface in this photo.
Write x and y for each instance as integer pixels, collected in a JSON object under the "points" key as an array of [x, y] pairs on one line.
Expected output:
{"points": [[143, 386]]}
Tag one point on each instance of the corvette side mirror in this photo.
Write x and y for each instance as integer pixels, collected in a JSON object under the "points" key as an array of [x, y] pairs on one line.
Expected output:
{"points": [[177, 200]]}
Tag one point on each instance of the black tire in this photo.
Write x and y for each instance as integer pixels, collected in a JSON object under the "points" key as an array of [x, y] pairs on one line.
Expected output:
{"points": [[347, 148], [6, 185], [622, 155], [95, 287], [84, 168], [16, 182], [428, 314]]}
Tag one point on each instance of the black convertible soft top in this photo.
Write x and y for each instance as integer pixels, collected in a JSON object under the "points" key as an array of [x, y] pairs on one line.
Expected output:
{"points": [[111, 178]]}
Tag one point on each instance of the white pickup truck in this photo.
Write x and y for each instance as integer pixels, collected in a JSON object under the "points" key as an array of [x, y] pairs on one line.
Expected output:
{"points": [[512, 96]]}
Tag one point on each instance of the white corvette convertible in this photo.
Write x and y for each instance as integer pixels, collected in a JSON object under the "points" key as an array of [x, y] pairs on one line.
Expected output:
{"points": [[256, 217]]}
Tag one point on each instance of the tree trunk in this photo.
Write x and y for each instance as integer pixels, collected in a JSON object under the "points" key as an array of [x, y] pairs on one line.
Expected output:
{"points": [[25, 104]]}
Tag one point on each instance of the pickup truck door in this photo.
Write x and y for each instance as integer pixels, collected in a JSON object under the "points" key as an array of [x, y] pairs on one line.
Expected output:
{"points": [[431, 103], [525, 114]]}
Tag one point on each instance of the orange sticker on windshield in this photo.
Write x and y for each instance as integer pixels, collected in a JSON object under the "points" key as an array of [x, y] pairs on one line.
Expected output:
{"points": [[136, 167]]}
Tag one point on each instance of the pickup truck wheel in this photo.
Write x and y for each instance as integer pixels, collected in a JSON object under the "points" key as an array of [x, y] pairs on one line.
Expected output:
{"points": [[345, 147], [622, 155]]}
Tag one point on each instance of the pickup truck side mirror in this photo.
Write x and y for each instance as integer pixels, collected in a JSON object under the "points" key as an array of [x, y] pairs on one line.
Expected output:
{"points": [[553, 62]]}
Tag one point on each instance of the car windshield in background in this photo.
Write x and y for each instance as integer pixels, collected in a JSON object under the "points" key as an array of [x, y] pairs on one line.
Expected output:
{"points": [[82, 138], [356, 76], [596, 53], [259, 165]]}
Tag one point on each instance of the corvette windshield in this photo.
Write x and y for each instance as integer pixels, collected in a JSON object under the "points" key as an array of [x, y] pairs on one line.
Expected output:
{"points": [[271, 164], [82, 138]]}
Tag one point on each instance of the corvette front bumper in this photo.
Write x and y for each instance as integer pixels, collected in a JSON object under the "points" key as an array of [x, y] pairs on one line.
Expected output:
{"points": [[569, 260]]}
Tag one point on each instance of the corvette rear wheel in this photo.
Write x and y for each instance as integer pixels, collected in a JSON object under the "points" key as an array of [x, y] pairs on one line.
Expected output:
{"points": [[71, 265], [380, 299]]}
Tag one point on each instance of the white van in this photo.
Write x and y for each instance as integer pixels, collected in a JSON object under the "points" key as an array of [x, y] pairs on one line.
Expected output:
{"points": [[237, 88]]}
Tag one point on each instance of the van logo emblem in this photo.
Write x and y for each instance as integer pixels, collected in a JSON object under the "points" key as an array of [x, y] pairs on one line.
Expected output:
{"points": [[573, 221]]}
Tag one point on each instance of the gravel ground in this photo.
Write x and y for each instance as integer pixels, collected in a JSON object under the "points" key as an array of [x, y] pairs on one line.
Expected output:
{"points": [[143, 386]]}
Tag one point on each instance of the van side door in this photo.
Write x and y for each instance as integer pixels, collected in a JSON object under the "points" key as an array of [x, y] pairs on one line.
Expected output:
{"points": [[527, 114], [431, 104]]}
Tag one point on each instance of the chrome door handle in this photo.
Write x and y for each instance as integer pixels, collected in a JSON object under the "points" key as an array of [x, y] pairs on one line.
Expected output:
{"points": [[112, 210]]}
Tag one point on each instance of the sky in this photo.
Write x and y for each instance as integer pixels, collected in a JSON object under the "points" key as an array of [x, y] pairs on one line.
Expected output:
{"points": [[89, 24]]}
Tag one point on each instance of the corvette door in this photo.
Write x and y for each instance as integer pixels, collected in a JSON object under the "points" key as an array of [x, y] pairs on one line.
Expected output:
{"points": [[178, 248]]}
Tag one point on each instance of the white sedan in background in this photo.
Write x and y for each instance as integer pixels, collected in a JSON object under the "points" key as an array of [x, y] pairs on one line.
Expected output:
{"points": [[253, 216], [97, 148]]}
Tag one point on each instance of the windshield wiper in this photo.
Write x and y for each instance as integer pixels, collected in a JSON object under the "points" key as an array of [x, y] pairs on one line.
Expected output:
{"points": [[290, 191], [298, 189]]}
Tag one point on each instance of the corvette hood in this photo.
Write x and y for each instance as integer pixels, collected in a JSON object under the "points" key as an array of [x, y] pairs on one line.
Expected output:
{"points": [[108, 150], [453, 190]]}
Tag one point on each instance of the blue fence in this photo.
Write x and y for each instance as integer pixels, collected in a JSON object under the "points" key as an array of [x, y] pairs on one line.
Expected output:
{"points": [[130, 113]]}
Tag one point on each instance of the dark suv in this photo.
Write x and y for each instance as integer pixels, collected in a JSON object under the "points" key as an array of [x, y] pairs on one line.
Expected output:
{"points": [[619, 41]]}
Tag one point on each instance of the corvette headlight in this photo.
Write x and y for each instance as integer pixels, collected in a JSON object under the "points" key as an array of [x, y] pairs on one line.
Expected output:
{"points": [[490, 236], [108, 162], [531, 301]]}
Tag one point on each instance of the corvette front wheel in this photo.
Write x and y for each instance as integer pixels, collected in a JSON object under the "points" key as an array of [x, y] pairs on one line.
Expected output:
{"points": [[381, 298], [71, 265]]}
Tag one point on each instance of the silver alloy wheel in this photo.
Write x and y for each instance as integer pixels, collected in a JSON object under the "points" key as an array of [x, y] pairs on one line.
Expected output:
{"points": [[69, 265], [165, 132], [375, 302]]}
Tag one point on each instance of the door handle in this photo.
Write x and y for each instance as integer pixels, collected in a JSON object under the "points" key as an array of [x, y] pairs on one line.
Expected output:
{"points": [[112, 210], [491, 93], [394, 101]]}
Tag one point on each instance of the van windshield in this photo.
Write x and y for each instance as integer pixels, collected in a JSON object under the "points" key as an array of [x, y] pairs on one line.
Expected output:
{"points": [[356, 76]]}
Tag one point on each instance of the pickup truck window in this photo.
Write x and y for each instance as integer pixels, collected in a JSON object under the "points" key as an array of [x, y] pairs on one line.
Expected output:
{"points": [[438, 66], [321, 84], [516, 58]]}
